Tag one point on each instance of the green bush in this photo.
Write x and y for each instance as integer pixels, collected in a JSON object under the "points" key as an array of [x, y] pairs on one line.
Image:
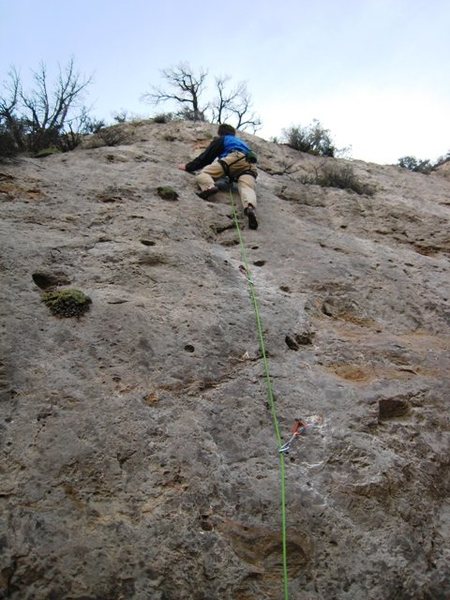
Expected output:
{"points": [[111, 136], [163, 118], [313, 139], [186, 114], [92, 125], [121, 116], [341, 177], [413, 164]]}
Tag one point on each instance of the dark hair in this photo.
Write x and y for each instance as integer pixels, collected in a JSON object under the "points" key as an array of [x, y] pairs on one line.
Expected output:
{"points": [[225, 129]]}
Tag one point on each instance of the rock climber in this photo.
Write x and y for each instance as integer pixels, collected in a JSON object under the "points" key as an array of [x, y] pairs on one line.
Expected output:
{"points": [[235, 160]]}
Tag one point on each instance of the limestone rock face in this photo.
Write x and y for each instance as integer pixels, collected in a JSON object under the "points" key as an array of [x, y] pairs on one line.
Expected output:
{"points": [[139, 459]]}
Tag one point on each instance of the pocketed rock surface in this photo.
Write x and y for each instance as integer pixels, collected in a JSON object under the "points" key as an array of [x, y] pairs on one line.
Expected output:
{"points": [[139, 459]]}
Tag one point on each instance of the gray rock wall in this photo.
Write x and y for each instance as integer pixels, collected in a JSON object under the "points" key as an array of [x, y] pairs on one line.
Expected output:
{"points": [[139, 459]]}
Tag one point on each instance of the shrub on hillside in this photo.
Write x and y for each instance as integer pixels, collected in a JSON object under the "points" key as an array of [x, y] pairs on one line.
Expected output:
{"points": [[163, 118], [186, 114], [114, 135], [413, 164], [422, 166], [338, 176], [313, 139], [121, 116], [442, 160], [93, 125]]}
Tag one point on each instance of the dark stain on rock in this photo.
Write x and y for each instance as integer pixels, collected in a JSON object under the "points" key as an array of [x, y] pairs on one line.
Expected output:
{"points": [[221, 228], [327, 309], [389, 408], [233, 242], [291, 343], [153, 260], [294, 341], [305, 338]]}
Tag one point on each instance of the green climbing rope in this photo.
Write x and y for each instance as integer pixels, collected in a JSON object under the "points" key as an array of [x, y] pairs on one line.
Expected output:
{"points": [[270, 396]]}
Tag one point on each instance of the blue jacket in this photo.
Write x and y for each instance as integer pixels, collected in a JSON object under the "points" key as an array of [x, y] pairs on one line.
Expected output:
{"points": [[233, 144], [219, 148]]}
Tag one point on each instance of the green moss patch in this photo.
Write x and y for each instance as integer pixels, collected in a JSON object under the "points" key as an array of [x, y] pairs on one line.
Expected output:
{"points": [[67, 303], [167, 193]]}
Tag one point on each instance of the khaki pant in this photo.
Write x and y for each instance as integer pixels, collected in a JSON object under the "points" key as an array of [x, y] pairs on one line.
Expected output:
{"points": [[246, 183]]}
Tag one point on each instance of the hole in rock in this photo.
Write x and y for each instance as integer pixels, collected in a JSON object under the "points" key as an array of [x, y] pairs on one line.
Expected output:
{"points": [[46, 281], [189, 348]]}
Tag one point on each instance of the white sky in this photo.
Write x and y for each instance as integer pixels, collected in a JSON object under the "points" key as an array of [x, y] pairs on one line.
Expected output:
{"points": [[376, 73]]}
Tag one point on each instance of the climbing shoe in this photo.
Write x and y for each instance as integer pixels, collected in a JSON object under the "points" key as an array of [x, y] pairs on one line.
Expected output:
{"points": [[205, 194], [251, 215]]}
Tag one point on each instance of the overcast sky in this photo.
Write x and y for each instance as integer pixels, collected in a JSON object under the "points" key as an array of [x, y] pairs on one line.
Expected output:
{"points": [[376, 73]]}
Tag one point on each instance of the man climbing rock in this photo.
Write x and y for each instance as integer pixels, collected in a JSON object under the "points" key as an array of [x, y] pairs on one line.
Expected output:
{"points": [[234, 160]]}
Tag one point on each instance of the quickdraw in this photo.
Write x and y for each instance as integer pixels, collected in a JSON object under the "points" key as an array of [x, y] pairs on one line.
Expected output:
{"points": [[297, 429], [300, 426]]}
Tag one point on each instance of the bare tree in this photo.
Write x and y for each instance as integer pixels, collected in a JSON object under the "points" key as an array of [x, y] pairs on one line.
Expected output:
{"points": [[234, 105], [47, 113], [9, 101], [186, 88], [224, 98]]}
